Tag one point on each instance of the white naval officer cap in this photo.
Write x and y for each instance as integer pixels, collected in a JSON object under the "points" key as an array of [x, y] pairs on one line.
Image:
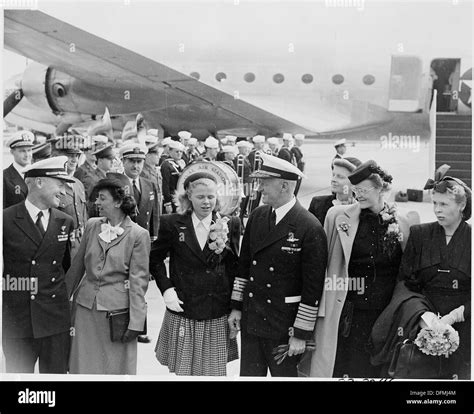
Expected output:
{"points": [[21, 139], [274, 167], [133, 150], [273, 141], [211, 142], [54, 167]]}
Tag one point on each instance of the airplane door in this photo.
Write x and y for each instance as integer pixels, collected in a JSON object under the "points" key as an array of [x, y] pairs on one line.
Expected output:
{"points": [[405, 84]]}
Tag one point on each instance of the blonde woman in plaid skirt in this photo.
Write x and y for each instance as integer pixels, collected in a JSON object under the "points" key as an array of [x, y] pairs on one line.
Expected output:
{"points": [[203, 250]]}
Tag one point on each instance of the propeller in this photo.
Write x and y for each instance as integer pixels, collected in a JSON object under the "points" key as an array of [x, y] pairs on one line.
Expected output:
{"points": [[11, 101]]}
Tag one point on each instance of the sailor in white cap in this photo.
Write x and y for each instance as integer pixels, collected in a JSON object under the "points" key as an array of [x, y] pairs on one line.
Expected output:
{"points": [[341, 149], [230, 153], [14, 187], [285, 151], [36, 318], [231, 139], [277, 238], [259, 144], [212, 148], [192, 151], [184, 137], [279, 151], [164, 154], [144, 191], [170, 171], [297, 152]]}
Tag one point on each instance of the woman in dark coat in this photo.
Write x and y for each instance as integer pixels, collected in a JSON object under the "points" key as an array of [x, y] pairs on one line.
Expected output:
{"points": [[437, 263], [340, 188], [195, 337]]}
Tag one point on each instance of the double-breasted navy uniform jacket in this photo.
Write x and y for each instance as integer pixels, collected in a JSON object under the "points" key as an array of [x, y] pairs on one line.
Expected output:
{"points": [[170, 172], [203, 285], [281, 274], [43, 311], [14, 187]]}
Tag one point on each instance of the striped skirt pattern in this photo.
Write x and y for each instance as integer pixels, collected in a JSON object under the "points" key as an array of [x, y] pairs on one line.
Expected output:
{"points": [[192, 347]]}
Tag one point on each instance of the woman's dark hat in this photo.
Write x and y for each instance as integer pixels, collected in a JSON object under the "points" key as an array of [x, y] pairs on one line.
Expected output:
{"points": [[365, 170], [349, 163], [197, 176], [442, 182]]}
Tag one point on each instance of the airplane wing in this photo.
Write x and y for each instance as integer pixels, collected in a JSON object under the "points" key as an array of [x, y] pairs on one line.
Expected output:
{"points": [[98, 62]]}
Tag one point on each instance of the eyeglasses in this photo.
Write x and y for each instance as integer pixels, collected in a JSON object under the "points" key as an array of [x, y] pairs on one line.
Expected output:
{"points": [[362, 191]]}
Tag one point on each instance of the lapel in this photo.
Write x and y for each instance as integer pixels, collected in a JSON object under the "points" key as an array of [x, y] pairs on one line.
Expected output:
{"points": [[126, 225], [16, 179], [144, 192], [286, 225], [55, 228], [350, 216], [26, 224], [185, 228]]}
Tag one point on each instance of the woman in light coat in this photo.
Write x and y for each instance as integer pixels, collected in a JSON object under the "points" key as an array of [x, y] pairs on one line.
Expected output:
{"points": [[339, 335], [109, 273]]}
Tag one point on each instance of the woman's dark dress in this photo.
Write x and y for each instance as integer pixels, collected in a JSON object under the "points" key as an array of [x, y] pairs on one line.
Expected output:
{"points": [[443, 274], [377, 272]]}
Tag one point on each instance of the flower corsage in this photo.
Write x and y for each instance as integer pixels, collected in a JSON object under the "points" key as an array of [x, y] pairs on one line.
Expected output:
{"points": [[218, 239], [393, 236]]}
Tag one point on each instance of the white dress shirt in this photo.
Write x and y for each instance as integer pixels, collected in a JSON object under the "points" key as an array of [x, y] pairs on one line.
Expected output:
{"points": [[201, 228], [284, 209], [19, 168], [33, 212]]}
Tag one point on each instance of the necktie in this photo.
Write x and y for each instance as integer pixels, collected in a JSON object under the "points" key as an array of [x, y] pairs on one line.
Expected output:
{"points": [[136, 192], [273, 217], [39, 224]]}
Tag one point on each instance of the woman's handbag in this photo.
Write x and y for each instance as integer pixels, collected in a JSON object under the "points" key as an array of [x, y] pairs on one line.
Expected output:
{"points": [[118, 322], [408, 362]]}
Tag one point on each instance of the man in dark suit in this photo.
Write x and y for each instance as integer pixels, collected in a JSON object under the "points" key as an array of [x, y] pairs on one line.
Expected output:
{"points": [[36, 254], [14, 187], [282, 268], [151, 170]]}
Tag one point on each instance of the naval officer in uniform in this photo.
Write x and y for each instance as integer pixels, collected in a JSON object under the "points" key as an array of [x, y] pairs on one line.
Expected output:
{"points": [[281, 274], [14, 187], [36, 254]]}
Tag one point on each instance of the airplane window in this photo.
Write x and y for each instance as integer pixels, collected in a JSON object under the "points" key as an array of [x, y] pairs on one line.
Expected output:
{"points": [[195, 75], [307, 78], [278, 78], [338, 79], [368, 79], [249, 77], [221, 76]]}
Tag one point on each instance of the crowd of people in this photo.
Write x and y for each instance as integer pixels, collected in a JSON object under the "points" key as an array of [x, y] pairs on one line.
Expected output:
{"points": [[89, 221]]}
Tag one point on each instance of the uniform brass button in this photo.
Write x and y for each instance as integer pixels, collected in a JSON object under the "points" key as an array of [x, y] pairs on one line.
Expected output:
{"points": [[54, 261], [250, 295], [254, 262], [33, 297], [147, 212], [269, 301], [208, 271], [268, 285], [53, 296], [271, 269], [251, 278], [33, 262], [53, 279]]}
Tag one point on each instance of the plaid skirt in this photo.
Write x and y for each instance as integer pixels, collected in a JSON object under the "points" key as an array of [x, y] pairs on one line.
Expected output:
{"points": [[192, 347]]}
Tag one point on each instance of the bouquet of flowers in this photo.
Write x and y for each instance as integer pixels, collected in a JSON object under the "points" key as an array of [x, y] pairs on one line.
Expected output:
{"points": [[438, 339], [281, 351], [393, 235], [218, 237]]}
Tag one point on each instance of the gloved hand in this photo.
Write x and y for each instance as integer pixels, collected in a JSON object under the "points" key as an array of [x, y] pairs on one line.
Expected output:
{"points": [[456, 315], [172, 301], [428, 319], [129, 335], [234, 322]]}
